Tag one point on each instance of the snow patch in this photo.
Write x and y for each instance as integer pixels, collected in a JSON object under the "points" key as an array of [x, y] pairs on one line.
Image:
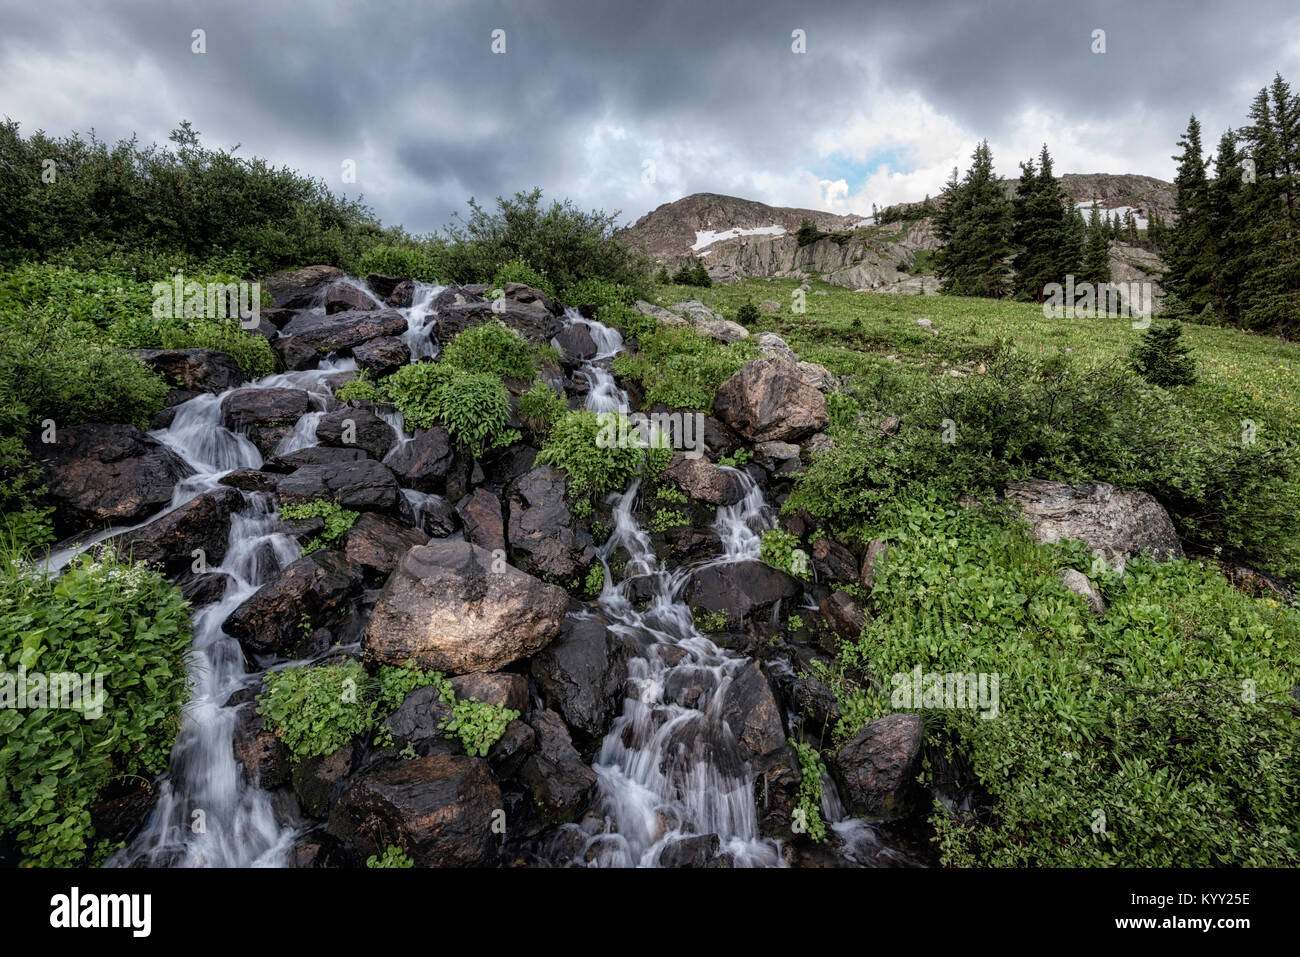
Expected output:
{"points": [[1119, 211], [707, 237]]}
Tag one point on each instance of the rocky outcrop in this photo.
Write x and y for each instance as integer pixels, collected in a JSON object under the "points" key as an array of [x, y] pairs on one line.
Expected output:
{"points": [[310, 336], [377, 543], [343, 296], [752, 712], [301, 288], [363, 485], [171, 541], [265, 415], [452, 607], [356, 428], [1118, 524], [877, 769], [195, 370], [316, 589], [557, 780], [422, 463], [703, 481], [532, 320], [738, 589], [481, 515], [381, 356], [768, 399], [581, 676], [106, 474]]}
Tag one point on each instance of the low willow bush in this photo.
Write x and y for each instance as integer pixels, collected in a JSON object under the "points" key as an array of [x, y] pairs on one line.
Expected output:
{"points": [[107, 617], [1163, 734], [1068, 421], [517, 270], [404, 262], [681, 368]]}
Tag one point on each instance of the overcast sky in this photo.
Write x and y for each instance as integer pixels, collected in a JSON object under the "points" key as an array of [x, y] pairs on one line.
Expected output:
{"points": [[627, 105]]}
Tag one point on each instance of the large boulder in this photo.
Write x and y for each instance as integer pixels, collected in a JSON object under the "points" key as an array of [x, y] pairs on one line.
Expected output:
{"points": [[202, 524], [309, 336], [363, 485], [317, 588], [877, 769], [740, 588], [581, 675], [703, 481], [107, 474], [444, 810], [258, 750], [301, 288], [382, 356], [343, 296], [356, 428], [768, 399], [195, 370], [453, 607], [532, 320], [265, 415], [423, 462], [543, 534], [1119, 524]]}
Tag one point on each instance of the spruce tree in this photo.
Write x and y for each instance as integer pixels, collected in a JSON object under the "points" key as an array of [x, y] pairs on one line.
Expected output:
{"points": [[1096, 255], [1162, 358], [974, 228], [1189, 253], [1040, 230]]}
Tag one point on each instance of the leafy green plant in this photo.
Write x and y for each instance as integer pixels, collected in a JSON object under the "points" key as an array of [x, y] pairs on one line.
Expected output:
{"points": [[809, 801], [127, 631], [540, 408], [338, 521], [405, 262], [317, 710], [360, 389], [595, 581], [493, 348], [598, 293], [587, 448], [519, 271], [682, 368], [474, 406], [780, 549], [477, 724], [737, 459], [748, 314], [666, 518], [712, 621], [393, 856]]}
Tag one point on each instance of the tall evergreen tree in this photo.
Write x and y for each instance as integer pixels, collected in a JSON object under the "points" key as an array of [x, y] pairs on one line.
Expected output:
{"points": [[1231, 245], [1096, 255], [1040, 230], [974, 229], [1189, 256]]}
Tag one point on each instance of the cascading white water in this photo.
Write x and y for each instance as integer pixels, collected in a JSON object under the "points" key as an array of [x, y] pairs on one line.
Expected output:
{"points": [[419, 322], [667, 768]]}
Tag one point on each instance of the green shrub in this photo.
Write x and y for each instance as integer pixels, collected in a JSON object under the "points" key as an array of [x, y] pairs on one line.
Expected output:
{"points": [[748, 314], [595, 581], [809, 802], [493, 348], [477, 724], [1162, 357], [403, 262], [338, 521], [1160, 735], [317, 710], [632, 324], [107, 617], [519, 271], [598, 293], [681, 368], [540, 408], [474, 406], [393, 856], [360, 389], [586, 446], [99, 298]]}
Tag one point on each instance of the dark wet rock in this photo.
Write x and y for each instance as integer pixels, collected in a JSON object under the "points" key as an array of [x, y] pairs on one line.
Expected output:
{"points": [[403, 294], [693, 544], [382, 286], [300, 288], [576, 343], [437, 517], [501, 688], [560, 784], [544, 536], [510, 751], [876, 554], [193, 370], [265, 415], [752, 712], [382, 356], [816, 705], [377, 543], [581, 676], [481, 515], [741, 588], [202, 524], [705, 482], [1119, 524], [832, 561], [364, 485], [205, 588], [843, 615], [418, 722], [343, 296], [768, 400], [531, 320], [453, 607], [250, 480], [443, 810], [422, 463], [258, 750], [318, 588], [876, 771], [319, 780], [106, 474], [276, 318], [310, 336], [314, 455], [356, 428], [689, 851]]}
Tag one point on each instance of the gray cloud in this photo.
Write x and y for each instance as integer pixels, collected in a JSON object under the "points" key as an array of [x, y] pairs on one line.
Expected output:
{"points": [[589, 91]]}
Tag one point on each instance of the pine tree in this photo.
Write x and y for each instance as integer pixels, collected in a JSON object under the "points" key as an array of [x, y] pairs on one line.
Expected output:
{"points": [[1189, 253], [1231, 247], [1040, 230], [1130, 227], [973, 228], [700, 275], [1096, 255], [1162, 358]]}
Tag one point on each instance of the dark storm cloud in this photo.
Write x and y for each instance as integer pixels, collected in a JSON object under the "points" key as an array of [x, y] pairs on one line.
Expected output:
{"points": [[588, 92]]}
